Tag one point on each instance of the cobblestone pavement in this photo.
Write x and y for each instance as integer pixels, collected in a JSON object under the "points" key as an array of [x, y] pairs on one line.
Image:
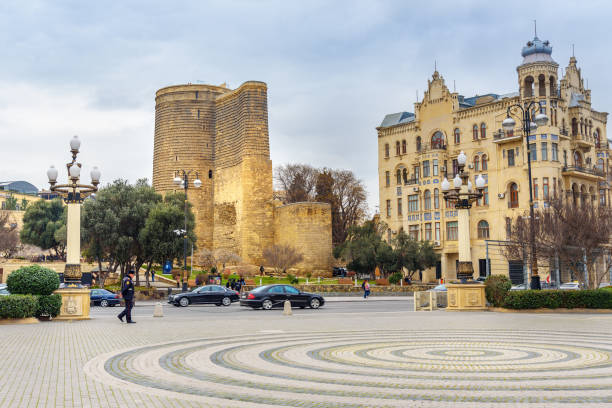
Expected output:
{"points": [[392, 359]]}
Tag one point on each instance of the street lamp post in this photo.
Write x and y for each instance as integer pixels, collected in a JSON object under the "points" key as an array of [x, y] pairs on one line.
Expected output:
{"points": [[181, 178], [526, 114], [462, 195]]}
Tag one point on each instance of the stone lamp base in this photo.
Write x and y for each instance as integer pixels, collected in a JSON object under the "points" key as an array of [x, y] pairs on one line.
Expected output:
{"points": [[75, 304], [466, 296]]}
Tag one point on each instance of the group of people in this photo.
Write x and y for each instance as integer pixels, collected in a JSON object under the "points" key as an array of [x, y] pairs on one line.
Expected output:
{"points": [[235, 284]]}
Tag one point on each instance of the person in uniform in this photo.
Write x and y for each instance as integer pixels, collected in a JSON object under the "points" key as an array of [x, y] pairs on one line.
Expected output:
{"points": [[127, 292]]}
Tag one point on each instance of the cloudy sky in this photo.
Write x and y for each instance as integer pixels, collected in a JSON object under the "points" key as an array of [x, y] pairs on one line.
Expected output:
{"points": [[333, 69]]}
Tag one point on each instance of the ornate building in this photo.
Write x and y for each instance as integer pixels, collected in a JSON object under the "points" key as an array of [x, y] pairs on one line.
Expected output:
{"points": [[570, 155], [222, 134]]}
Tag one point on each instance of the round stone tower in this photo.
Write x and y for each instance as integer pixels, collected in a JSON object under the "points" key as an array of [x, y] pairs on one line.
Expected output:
{"points": [[184, 140]]}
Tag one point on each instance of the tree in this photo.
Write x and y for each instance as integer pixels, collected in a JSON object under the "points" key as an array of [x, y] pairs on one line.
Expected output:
{"points": [[24, 204], [9, 238], [11, 203], [282, 257], [297, 181], [41, 221], [221, 256]]}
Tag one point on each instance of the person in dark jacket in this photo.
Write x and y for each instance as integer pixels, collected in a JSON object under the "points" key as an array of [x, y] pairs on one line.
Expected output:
{"points": [[127, 293]]}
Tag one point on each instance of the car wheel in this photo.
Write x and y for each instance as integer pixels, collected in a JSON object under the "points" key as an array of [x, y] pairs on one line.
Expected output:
{"points": [[315, 303], [104, 303], [266, 304], [184, 302], [226, 301]]}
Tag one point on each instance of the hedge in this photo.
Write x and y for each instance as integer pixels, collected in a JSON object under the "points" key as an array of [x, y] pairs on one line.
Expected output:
{"points": [[552, 299], [33, 280], [18, 306], [49, 305], [496, 289]]}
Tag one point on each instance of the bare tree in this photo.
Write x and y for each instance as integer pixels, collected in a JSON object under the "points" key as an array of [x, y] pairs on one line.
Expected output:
{"points": [[282, 257], [9, 238], [221, 256], [296, 181]]}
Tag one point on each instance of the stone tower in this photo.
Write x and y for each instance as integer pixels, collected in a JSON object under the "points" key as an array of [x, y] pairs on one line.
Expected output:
{"points": [[537, 75]]}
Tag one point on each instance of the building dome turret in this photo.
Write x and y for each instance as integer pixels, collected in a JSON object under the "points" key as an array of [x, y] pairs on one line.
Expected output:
{"points": [[537, 50]]}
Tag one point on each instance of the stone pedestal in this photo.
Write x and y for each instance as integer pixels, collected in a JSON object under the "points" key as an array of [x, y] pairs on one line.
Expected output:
{"points": [[75, 304], [466, 296]]}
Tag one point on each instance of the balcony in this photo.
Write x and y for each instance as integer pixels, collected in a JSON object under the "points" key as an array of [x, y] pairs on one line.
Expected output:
{"points": [[501, 137], [425, 148], [411, 181], [589, 173]]}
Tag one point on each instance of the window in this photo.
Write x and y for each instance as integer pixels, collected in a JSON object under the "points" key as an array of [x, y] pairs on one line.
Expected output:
{"points": [[427, 200], [417, 173], [514, 196], [554, 187], [398, 176], [455, 167], [475, 132], [397, 148], [437, 140], [597, 141], [291, 290], [437, 231], [436, 198], [533, 152], [508, 227], [577, 159], [485, 196], [602, 197], [483, 131], [476, 163], [418, 143], [413, 203], [485, 164], [452, 231], [555, 152], [600, 164], [457, 134], [386, 149], [535, 189], [544, 147], [483, 230], [425, 168], [399, 206], [387, 178], [413, 232], [510, 157], [435, 167], [545, 188], [388, 208], [403, 147], [428, 231]]}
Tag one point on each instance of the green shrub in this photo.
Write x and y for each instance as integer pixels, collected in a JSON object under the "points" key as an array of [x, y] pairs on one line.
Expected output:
{"points": [[292, 279], [552, 299], [395, 278], [496, 288], [49, 305], [33, 280], [18, 306]]}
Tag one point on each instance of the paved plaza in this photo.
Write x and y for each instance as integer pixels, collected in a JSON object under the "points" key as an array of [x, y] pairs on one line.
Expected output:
{"points": [[376, 354]]}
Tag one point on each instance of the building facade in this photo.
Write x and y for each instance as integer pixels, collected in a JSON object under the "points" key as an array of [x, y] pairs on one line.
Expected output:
{"points": [[222, 134], [570, 156]]}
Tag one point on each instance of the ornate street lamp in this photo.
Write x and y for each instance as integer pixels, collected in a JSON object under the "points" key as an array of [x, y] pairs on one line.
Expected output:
{"points": [[73, 194], [462, 195], [181, 178], [525, 115]]}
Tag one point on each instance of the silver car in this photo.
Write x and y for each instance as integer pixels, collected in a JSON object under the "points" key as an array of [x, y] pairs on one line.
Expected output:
{"points": [[520, 286], [3, 290], [570, 286]]}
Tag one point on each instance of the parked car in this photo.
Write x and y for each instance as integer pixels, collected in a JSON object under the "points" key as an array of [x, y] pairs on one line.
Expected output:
{"points": [[439, 288], [3, 290], [215, 294], [604, 284], [103, 298], [340, 272], [269, 296], [520, 286], [570, 286]]}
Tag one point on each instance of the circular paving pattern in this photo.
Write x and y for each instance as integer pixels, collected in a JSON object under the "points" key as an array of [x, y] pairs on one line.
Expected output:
{"points": [[371, 369]]}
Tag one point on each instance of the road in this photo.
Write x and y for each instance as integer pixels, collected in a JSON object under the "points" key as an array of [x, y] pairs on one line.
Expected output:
{"points": [[350, 306]]}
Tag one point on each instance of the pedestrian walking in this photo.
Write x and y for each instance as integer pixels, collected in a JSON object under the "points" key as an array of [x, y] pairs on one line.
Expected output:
{"points": [[366, 288], [153, 276], [127, 292]]}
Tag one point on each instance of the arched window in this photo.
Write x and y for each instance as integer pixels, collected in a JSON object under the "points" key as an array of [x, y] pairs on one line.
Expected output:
{"points": [[528, 87], [575, 193], [483, 230], [600, 164], [574, 127], [475, 132], [476, 163], [552, 83], [386, 149], [418, 143], [514, 196], [577, 159], [398, 176], [581, 126], [437, 140], [427, 200], [597, 140], [485, 165], [436, 198], [457, 134], [483, 131], [583, 195], [405, 175], [542, 85], [397, 148], [403, 146]]}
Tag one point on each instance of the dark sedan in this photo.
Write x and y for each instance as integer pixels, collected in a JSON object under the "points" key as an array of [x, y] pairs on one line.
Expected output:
{"points": [[270, 296], [103, 298], [214, 294]]}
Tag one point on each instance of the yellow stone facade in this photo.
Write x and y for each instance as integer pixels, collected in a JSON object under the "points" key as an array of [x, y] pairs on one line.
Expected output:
{"points": [[222, 134], [417, 150]]}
